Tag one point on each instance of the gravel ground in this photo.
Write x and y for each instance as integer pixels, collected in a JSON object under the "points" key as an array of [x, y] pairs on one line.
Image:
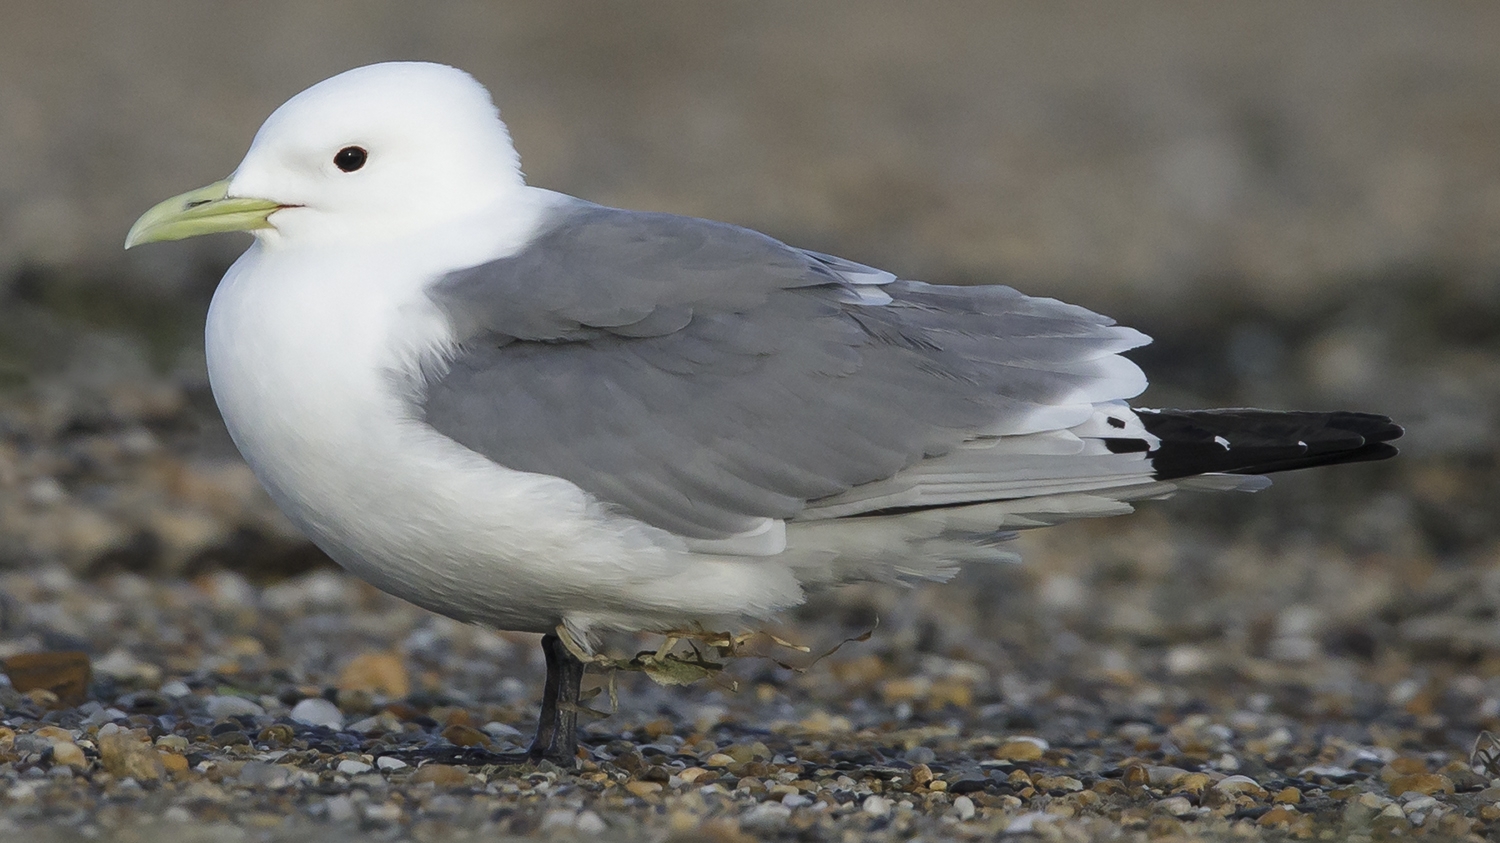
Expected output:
{"points": [[222, 710]]}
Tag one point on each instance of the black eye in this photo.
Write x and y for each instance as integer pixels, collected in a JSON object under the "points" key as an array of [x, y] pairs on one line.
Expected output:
{"points": [[350, 158]]}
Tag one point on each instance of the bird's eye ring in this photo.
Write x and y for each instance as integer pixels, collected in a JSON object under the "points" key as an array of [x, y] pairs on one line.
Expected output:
{"points": [[350, 158]]}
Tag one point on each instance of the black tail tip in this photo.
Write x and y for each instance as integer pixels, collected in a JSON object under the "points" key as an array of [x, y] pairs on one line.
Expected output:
{"points": [[1246, 441]]}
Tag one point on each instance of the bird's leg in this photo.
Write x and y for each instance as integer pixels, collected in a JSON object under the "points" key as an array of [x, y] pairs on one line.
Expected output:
{"points": [[557, 729]]}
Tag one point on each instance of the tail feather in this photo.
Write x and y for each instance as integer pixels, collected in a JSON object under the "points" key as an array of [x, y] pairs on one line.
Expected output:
{"points": [[1243, 441]]}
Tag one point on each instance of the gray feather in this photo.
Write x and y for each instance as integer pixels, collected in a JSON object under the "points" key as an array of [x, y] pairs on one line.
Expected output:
{"points": [[702, 377]]}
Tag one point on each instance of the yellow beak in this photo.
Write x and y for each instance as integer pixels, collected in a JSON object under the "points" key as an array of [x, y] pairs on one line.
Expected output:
{"points": [[207, 210]]}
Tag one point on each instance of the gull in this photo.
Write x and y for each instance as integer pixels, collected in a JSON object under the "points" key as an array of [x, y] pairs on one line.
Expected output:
{"points": [[518, 408]]}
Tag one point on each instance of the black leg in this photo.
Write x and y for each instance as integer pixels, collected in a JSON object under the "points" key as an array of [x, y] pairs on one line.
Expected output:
{"points": [[557, 729]]}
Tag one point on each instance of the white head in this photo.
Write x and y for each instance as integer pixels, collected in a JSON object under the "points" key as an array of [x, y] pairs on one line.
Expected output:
{"points": [[396, 147]]}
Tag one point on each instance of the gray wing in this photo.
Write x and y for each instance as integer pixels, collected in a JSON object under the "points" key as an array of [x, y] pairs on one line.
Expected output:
{"points": [[703, 377]]}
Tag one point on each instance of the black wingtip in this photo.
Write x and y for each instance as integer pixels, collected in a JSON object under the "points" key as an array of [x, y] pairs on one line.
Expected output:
{"points": [[1245, 441]]}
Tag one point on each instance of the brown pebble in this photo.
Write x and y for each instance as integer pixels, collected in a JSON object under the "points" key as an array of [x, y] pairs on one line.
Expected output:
{"points": [[460, 735], [1018, 751], [1489, 813], [643, 789], [1423, 783], [921, 775], [1193, 783], [1408, 766], [126, 755], [172, 762], [1136, 776], [442, 775], [378, 673], [69, 754], [63, 672], [278, 733], [1276, 816], [1287, 796]]}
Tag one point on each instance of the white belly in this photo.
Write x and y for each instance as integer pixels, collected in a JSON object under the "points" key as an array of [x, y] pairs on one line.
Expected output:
{"points": [[313, 363]]}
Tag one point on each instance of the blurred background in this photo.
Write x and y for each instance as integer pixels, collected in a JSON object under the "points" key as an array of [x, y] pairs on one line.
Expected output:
{"points": [[1299, 201]]}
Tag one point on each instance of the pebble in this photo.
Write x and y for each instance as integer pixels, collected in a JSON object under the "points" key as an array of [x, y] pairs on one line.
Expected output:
{"points": [[1423, 783], [127, 755], [316, 711], [963, 808], [225, 706], [875, 806], [388, 763], [377, 673], [64, 673], [350, 767], [442, 775], [1177, 806], [1021, 749], [261, 774], [590, 823]]}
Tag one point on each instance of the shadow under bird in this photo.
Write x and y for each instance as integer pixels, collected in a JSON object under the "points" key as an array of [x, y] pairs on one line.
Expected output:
{"points": [[514, 407]]}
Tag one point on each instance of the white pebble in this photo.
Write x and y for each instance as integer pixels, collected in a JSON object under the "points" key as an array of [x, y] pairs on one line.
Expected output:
{"points": [[176, 688], [875, 806], [350, 767], [1026, 823], [220, 707], [1177, 806], [386, 762], [963, 807], [796, 800], [316, 711], [590, 823], [340, 809]]}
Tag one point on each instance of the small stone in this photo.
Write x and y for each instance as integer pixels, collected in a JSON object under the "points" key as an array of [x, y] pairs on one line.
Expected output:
{"points": [[1287, 796], [316, 711], [1160, 776], [590, 823], [502, 731], [442, 775], [350, 767], [1423, 783], [64, 673], [377, 673], [388, 763], [261, 774], [1177, 806], [125, 755], [643, 789], [69, 754], [459, 735], [1241, 785], [963, 808], [875, 806], [718, 759], [920, 755], [1194, 783], [1489, 813], [172, 762], [1279, 815], [1419, 803], [1026, 823], [339, 809], [1021, 749], [1067, 784], [921, 775], [176, 689], [766, 817], [224, 706]]}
